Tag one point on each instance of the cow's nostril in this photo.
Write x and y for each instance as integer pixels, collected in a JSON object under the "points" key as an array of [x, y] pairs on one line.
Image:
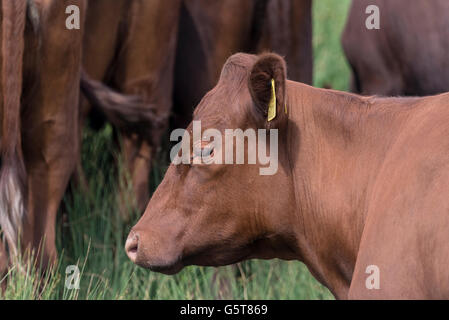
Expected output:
{"points": [[132, 245]]}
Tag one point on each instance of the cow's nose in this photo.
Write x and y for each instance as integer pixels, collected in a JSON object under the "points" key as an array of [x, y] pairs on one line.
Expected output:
{"points": [[132, 245]]}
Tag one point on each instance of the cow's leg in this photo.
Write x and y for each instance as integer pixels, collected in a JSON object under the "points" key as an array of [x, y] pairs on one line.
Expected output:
{"points": [[395, 277], [403, 255], [145, 67], [103, 20], [137, 156], [51, 124], [403, 248]]}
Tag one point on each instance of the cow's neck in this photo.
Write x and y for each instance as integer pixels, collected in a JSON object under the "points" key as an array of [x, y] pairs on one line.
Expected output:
{"points": [[336, 145]]}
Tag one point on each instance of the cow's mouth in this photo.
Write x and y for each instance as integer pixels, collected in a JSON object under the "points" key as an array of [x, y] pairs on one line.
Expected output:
{"points": [[216, 256], [170, 269], [165, 268]]}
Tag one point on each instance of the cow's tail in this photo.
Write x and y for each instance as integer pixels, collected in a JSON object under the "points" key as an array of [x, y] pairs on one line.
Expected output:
{"points": [[12, 170], [129, 113]]}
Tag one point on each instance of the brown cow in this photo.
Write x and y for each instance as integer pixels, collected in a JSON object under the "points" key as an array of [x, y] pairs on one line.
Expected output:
{"points": [[211, 31], [361, 181], [407, 55], [39, 121], [130, 46]]}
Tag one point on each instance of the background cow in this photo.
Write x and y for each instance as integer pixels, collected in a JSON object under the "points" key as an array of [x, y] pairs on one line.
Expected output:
{"points": [[210, 31], [41, 66], [130, 45], [408, 55]]}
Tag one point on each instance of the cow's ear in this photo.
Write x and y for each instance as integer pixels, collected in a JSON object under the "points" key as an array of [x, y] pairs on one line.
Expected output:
{"points": [[267, 83]]}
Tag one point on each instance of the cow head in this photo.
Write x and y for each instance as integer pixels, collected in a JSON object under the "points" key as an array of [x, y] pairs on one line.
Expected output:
{"points": [[216, 214]]}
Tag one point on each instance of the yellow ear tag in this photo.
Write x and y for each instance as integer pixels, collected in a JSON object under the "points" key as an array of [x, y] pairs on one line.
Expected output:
{"points": [[272, 105]]}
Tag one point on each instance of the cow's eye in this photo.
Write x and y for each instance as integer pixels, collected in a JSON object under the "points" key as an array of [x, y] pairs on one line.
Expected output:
{"points": [[207, 154], [204, 154], [207, 151]]}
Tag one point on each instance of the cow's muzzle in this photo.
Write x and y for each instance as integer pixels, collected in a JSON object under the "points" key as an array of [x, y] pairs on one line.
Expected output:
{"points": [[141, 252]]}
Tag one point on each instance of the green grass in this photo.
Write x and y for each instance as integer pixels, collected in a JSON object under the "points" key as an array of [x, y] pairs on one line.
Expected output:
{"points": [[330, 66], [91, 232]]}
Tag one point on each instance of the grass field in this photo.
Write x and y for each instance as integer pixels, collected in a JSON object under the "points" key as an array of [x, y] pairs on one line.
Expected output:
{"points": [[91, 233]]}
